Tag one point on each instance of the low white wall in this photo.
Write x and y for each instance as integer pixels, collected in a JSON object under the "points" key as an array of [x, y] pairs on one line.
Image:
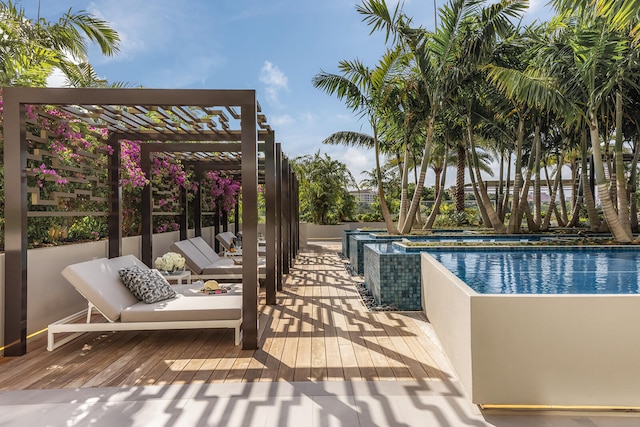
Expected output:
{"points": [[556, 349], [49, 296], [448, 308], [574, 350], [318, 232]]}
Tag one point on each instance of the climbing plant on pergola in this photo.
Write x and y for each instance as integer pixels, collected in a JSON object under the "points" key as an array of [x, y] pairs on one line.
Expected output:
{"points": [[205, 129]]}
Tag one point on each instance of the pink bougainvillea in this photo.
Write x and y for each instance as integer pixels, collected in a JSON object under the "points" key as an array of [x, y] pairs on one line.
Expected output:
{"points": [[71, 139], [220, 191]]}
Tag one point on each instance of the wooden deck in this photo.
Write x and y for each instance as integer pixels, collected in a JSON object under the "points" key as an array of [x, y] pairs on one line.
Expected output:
{"points": [[318, 331]]}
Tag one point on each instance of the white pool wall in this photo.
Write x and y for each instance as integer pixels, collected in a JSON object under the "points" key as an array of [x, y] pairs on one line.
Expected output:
{"points": [[574, 350]]}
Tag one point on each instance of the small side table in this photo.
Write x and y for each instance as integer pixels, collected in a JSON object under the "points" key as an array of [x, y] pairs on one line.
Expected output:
{"points": [[178, 277]]}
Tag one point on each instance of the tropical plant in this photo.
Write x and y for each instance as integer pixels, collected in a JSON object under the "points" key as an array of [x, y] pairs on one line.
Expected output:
{"points": [[31, 49], [362, 89], [324, 183], [443, 58]]}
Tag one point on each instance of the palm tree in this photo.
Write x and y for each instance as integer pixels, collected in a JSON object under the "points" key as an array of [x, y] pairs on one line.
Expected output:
{"points": [[621, 14], [323, 186], [362, 89], [582, 64], [30, 50], [439, 55]]}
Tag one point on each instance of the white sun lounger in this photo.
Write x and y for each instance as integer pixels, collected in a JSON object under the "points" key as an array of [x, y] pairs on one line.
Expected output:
{"points": [[226, 237], [99, 283], [205, 263]]}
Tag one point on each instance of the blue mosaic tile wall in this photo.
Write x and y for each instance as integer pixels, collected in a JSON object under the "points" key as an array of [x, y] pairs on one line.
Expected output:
{"points": [[346, 237], [394, 278], [356, 248]]}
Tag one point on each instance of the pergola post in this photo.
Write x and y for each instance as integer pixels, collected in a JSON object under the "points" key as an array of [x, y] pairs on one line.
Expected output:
{"points": [[236, 216], [270, 222], [216, 228], [184, 214], [278, 212], [286, 216], [15, 216], [115, 200], [146, 208], [296, 214], [197, 203], [114, 220], [225, 221], [249, 141]]}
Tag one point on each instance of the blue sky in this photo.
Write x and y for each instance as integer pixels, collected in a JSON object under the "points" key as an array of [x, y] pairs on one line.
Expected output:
{"points": [[272, 46]]}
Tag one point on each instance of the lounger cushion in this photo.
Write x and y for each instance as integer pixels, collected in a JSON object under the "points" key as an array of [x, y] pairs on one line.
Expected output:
{"points": [[187, 308], [98, 281], [146, 285], [194, 259], [226, 266], [200, 261], [205, 248]]}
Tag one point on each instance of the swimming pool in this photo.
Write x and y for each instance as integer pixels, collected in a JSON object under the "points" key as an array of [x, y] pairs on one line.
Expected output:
{"points": [[538, 348], [545, 271]]}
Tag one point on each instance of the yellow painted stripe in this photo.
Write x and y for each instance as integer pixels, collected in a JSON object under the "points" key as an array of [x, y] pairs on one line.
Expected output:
{"points": [[31, 336], [563, 407]]}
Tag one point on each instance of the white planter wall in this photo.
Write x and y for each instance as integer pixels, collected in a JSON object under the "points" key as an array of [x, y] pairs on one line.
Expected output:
{"points": [[562, 350], [331, 232]]}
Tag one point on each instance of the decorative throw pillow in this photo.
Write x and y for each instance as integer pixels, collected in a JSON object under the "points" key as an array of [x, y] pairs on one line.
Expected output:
{"points": [[146, 285]]}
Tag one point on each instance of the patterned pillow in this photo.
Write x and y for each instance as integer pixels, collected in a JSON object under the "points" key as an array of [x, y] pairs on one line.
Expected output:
{"points": [[146, 285]]}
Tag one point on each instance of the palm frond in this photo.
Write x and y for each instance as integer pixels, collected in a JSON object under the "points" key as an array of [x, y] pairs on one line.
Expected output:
{"points": [[352, 139], [377, 15]]}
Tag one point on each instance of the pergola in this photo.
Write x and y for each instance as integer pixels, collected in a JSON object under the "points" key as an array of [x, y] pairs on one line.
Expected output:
{"points": [[221, 130]]}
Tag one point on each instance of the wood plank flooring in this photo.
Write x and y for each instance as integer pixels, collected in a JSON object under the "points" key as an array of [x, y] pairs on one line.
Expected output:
{"points": [[318, 331]]}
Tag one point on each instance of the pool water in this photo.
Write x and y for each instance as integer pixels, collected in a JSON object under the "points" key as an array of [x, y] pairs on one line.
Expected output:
{"points": [[545, 271]]}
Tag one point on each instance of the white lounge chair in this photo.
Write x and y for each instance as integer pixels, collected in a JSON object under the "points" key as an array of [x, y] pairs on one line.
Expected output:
{"points": [[226, 237], [205, 263], [98, 281]]}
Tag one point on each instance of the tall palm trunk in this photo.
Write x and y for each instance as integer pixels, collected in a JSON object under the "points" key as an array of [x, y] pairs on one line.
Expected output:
{"points": [[404, 190], [574, 218], [505, 200], [500, 188], [514, 221], [417, 194], [524, 198], [589, 200], [621, 184], [440, 192], [384, 207], [610, 214], [486, 222], [633, 184], [418, 218], [537, 183], [496, 223], [537, 203], [460, 166], [552, 196], [564, 217]]}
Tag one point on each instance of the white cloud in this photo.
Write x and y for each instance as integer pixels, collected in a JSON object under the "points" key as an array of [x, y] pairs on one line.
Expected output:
{"points": [[57, 79], [357, 160], [274, 80], [535, 5], [136, 24], [281, 120]]}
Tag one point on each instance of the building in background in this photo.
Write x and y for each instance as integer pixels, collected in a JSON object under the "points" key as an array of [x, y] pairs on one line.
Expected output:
{"points": [[364, 196]]}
